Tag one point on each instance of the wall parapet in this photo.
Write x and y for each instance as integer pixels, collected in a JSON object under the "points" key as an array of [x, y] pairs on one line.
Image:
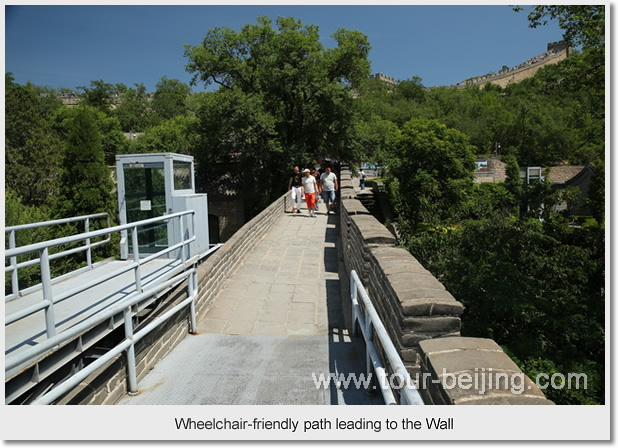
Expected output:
{"points": [[417, 311], [474, 371]]}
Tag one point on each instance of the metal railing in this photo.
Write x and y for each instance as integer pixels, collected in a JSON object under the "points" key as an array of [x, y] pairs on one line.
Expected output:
{"points": [[126, 345], [48, 302], [14, 266], [126, 307], [371, 327]]}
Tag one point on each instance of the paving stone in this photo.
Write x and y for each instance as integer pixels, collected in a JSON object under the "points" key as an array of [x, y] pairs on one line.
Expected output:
{"points": [[296, 318], [302, 328], [239, 326], [276, 306], [279, 314], [283, 296], [273, 328], [219, 313], [281, 288], [211, 326], [304, 298], [246, 313], [308, 308], [249, 306]]}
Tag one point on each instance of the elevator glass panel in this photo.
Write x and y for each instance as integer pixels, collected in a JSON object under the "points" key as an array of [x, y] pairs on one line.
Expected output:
{"points": [[145, 198]]}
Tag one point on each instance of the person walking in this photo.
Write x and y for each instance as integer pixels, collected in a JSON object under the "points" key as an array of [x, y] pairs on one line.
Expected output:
{"points": [[295, 188], [310, 187], [363, 176], [315, 173], [329, 185]]}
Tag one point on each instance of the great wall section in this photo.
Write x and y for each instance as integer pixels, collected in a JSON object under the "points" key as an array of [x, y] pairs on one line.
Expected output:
{"points": [[556, 52]]}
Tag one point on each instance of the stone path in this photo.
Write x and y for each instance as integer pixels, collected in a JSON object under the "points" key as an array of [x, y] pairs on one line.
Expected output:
{"points": [[278, 325], [284, 285]]}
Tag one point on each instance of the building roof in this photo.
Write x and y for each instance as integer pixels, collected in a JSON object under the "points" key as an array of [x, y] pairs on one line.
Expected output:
{"points": [[564, 173], [495, 171]]}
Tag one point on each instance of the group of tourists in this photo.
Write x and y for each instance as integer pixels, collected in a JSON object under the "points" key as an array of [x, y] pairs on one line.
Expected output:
{"points": [[313, 184]]}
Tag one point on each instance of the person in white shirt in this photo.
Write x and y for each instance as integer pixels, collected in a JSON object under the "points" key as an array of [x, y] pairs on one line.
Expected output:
{"points": [[295, 187], [329, 188], [310, 186]]}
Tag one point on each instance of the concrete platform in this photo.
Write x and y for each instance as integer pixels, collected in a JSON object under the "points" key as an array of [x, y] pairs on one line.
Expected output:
{"points": [[31, 330], [275, 328], [222, 369]]}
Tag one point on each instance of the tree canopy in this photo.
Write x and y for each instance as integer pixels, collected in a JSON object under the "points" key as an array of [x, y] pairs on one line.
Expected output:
{"points": [[304, 88]]}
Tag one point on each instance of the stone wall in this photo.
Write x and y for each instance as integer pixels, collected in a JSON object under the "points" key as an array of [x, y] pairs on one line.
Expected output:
{"points": [[474, 371], [514, 76], [412, 304], [422, 318], [230, 214]]}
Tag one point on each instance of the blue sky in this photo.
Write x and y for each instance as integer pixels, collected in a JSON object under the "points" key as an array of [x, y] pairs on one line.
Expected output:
{"points": [[69, 46]]}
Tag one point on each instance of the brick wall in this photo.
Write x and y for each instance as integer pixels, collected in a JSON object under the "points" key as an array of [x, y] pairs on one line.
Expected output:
{"points": [[422, 318]]}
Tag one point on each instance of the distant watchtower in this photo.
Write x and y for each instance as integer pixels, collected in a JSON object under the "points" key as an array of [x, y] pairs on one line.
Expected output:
{"points": [[382, 77], [557, 47]]}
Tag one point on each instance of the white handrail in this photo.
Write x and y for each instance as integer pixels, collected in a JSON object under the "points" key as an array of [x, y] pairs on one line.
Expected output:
{"points": [[371, 326], [47, 304], [14, 266], [128, 343], [35, 225]]}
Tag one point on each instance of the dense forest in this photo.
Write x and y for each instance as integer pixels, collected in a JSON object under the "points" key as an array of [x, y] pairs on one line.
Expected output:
{"points": [[528, 277]]}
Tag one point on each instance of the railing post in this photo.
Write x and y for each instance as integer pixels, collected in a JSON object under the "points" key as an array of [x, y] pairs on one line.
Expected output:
{"points": [[14, 278], [192, 288], [182, 240], [138, 273], [368, 330], [131, 370], [88, 251], [353, 295], [50, 321]]}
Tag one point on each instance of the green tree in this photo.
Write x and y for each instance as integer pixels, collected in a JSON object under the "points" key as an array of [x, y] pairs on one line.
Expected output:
{"points": [[100, 94], [513, 182], [597, 193], [374, 139], [584, 26], [305, 88], [16, 213], [433, 166], [47, 98], [233, 127], [32, 152], [411, 89], [113, 140], [133, 110], [536, 288], [170, 98], [86, 180], [177, 135], [487, 200]]}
